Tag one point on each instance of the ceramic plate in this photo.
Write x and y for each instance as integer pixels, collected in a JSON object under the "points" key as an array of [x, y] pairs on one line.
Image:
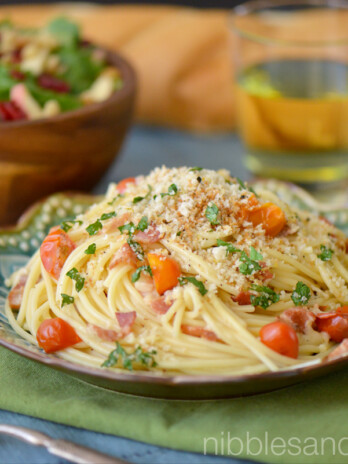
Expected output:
{"points": [[18, 244]]}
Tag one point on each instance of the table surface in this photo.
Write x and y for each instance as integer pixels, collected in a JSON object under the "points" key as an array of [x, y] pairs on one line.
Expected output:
{"points": [[144, 149]]}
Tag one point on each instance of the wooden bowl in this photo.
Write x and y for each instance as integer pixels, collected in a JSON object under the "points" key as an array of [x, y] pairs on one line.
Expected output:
{"points": [[70, 151]]}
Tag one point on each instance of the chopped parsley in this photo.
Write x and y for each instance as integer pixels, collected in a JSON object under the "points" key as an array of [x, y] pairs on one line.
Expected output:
{"points": [[107, 216], [196, 168], [242, 186], [250, 265], [129, 227], [172, 190], [94, 228], [79, 280], [326, 253], [197, 283], [229, 247], [143, 224], [212, 213], [136, 275], [265, 298], [137, 248], [91, 249], [137, 199], [301, 295], [145, 358], [111, 203], [67, 225], [66, 299]]}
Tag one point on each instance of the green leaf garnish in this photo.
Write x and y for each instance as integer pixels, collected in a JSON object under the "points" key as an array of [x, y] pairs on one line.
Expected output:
{"points": [[211, 213], [94, 228], [143, 224], [229, 247], [91, 249], [107, 216], [66, 299], [111, 203], [197, 283], [196, 168], [145, 358], [242, 186], [137, 248], [137, 199], [172, 190], [255, 255], [136, 275], [301, 295], [266, 296], [67, 225], [79, 280], [250, 265], [129, 228], [326, 253]]}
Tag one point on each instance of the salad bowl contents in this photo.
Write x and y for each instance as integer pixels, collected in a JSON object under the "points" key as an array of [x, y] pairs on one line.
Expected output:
{"points": [[48, 71], [65, 108]]}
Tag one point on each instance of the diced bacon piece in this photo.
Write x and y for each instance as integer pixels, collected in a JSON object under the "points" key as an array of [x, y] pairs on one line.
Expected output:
{"points": [[150, 235], [124, 255], [126, 320], [115, 223], [243, 298], [196, 331], [265, 275], [300, 319], [160, 306], [146, 286], [106, 334], [16, 294], [340, 351]]}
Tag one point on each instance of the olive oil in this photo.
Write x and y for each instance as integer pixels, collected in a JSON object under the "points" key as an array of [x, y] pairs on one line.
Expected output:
{"points": [[293, 118]]}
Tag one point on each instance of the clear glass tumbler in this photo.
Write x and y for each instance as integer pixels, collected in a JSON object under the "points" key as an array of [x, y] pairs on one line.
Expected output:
{"points": [[291, 77]]}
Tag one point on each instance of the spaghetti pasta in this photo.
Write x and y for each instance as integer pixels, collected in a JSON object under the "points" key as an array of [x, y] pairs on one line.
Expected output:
{"points": [[187, 271]]}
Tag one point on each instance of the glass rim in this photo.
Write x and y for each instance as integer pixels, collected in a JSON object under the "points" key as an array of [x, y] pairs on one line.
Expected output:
{"points": [[256, 6]]}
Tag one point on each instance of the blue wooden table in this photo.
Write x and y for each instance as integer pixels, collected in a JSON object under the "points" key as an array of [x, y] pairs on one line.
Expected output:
{"points": [[144, 149]]}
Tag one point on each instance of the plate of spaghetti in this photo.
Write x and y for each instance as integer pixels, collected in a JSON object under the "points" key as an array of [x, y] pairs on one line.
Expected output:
{"points": [[185, 283]]}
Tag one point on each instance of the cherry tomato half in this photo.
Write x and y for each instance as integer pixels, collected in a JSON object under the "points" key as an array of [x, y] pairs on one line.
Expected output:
{"points": [[55, 250], [122, 185], [280, 337], [56, 334]]}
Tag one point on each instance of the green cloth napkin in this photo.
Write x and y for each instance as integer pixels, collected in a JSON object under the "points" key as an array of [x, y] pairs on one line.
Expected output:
{"points": [[304, 414]]}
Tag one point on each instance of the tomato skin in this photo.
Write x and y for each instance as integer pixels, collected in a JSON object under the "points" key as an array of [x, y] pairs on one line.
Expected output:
{"points": [[335, 324], [271, 217], [280, 337], [166, 272], [56, 334], [122, 185], [55, 250]]}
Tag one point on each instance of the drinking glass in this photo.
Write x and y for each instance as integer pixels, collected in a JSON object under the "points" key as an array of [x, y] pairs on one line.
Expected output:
{"points": [[291, 77]]}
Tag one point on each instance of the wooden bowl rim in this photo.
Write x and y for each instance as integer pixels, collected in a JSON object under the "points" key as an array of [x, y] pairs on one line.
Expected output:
{"points": [[129, 87]]}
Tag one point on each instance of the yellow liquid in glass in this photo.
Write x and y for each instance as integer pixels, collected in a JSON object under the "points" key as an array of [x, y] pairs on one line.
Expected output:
{"points": [[293, 119]]}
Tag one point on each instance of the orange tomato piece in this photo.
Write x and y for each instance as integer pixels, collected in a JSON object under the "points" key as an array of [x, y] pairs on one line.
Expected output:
{"points": [[280, 337], [56, 334], [55, 250], [335, 324], [165, 270], [122, 185], [271, 217]]}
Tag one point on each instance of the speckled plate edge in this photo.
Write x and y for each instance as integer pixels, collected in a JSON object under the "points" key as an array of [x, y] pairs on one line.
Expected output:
{"points": [[61, 206]]}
